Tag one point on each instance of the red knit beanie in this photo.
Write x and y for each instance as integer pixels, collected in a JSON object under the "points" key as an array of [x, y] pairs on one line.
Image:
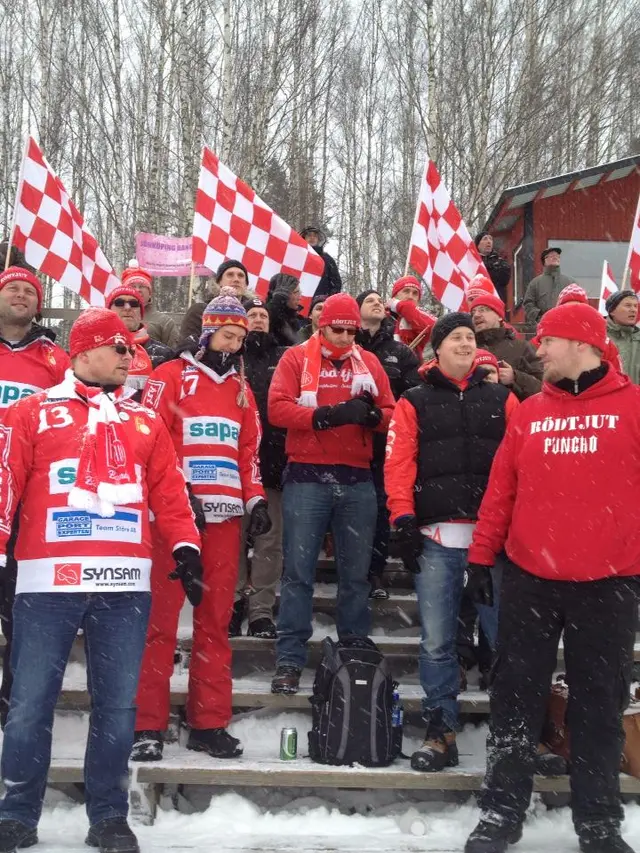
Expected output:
{"points": [[125, 290], [22, 274], [575, 322], [573, 293], [484, 357], [478, 285], [97, 327], [136, 277], [406, 281], [490, 301], [340, 310]]}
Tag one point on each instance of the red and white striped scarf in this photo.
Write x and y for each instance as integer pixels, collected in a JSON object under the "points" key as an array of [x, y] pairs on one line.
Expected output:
{"points": [[317, 347], [106, 471]]}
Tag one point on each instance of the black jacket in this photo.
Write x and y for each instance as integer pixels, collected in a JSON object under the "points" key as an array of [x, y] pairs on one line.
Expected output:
{"points": [[331, 282], [35, 331], [157, 352], [499, 273], [399, 362], [261, 355], [284, 322], [458, 436]]}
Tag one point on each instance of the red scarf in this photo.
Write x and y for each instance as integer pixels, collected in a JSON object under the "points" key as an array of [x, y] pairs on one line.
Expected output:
{"points": [[317, 347], [106, 471]]}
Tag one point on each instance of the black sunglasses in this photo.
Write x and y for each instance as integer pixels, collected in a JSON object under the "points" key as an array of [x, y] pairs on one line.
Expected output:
{"points": [[124, 303], [339, 330], [121, 349]]}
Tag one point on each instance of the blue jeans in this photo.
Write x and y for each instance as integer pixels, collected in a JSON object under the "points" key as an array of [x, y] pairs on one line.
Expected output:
{"points": [[439, 588], [44, 627], [309, 510]]}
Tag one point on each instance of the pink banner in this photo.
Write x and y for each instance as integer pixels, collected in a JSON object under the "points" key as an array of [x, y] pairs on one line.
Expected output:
{"points": [[166, 255]]}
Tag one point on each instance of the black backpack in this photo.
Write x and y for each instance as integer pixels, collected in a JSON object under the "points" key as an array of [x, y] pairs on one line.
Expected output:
{"points": [[351, 706]]}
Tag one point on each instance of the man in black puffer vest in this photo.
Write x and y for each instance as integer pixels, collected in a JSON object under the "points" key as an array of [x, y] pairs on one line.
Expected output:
{"points": [[401, 366], [261, 355], [442, 439]]}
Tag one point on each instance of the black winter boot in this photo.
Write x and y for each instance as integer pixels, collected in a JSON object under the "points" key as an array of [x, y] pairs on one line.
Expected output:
{"points": [[237, 618], [490, 837], [439, 749], [603, 839], [286, 680], [15, 835], [377, 589], [217, 743], [147, 746], [549, 764], [263, 628], [112, 835]]}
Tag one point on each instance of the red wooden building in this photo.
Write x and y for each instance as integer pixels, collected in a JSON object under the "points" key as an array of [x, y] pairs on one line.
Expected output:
{"points": [[589, 214]]}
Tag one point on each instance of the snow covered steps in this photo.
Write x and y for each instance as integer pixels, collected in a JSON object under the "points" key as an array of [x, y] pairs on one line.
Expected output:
{"points": [[180, 767], [254, 693]]}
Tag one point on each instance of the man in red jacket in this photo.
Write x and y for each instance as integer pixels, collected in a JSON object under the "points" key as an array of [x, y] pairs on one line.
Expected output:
{"points": [[330, 395], [88, 465], [566, 511], [30, 361], [413, 325]]}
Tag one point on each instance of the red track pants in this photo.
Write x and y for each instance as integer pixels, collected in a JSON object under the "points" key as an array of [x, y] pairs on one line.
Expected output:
{"points": [[209, 697]]}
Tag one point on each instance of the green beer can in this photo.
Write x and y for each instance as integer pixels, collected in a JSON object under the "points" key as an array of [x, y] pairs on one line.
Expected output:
{"points": [[288, 744]]}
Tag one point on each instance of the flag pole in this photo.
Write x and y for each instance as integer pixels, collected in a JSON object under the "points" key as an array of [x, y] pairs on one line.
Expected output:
{"points": [[7, 262], [415, 218], [627, 265], [192, 281]]}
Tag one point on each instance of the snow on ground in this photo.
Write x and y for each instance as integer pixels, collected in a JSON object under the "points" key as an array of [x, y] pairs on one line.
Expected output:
{"points": [[233, 823], [302, 820]]}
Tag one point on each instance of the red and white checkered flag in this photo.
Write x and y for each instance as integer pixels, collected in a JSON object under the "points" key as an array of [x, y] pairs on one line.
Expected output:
{"points": [[50, 231], [633, 258], [231, 221], [608, 287], [442, 251]]}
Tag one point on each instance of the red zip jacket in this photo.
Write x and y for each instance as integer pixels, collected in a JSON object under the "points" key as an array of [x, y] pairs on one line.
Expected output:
{"points": [[564, 486], [347, 445], [216, 440], [33, 365], [62, 549]]}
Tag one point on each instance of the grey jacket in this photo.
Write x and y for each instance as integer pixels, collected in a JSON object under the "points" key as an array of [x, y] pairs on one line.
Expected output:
{"points": [[542, 293]]}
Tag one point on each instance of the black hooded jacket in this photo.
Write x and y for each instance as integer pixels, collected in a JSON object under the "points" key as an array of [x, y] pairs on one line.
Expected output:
{"points": [[261, 355]]}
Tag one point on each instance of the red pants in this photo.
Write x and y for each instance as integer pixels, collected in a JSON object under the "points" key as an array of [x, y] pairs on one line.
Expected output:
{"points": [[209, 696]]}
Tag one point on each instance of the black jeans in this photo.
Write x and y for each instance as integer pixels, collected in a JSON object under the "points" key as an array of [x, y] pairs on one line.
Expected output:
{"points": [[8, 577], [381, 539], [598, 619]]}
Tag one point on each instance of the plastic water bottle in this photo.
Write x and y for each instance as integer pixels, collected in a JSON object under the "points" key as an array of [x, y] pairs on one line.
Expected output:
{"points": [[397, 711]]}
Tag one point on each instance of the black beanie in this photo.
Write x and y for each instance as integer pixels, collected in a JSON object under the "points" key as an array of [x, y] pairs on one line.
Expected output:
{"points": [[318, 300], [479, 237], [253, 302], [228, 265], [446, 325], [616, 298], [362, 296]]}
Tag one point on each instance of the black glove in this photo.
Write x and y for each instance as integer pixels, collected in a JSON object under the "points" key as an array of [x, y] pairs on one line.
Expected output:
{"points": [[285, 285], [478, 584], [355, 411], [188, 571], [197, 509], [374, 417], [259, 521], [406, 542]]}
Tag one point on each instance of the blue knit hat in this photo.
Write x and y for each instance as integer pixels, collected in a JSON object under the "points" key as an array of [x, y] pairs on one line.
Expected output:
{"points": [[224, 310]]}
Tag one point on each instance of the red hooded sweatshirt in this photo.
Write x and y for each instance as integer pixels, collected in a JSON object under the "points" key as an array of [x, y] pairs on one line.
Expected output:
{"points": [[563, 492]]}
